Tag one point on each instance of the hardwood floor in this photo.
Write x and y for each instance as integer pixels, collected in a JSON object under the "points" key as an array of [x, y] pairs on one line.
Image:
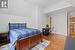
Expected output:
{"points": [[57, 42]]}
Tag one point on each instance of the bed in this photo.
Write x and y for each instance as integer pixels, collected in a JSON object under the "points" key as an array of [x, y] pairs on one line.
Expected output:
{"points": [[23, 38]]}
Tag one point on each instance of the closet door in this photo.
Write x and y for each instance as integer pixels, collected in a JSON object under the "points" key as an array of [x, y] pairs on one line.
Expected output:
{"points": [[72, 26]]}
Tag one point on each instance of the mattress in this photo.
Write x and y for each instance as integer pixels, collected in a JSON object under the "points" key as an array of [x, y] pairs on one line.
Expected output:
{"points": [[20, 33]]}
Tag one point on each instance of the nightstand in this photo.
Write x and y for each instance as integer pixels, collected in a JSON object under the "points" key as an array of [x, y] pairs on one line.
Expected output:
{"points": [[45, 31]]}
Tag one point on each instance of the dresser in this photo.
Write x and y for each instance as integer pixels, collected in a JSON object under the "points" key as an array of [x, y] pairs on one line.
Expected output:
{"points": [[3, 38]]}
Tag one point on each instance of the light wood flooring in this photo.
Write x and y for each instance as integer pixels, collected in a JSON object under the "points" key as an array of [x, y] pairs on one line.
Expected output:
{"points": [[57, 42]]}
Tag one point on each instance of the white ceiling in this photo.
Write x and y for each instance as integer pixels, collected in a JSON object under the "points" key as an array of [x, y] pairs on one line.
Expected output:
{"points": [[72, 2], [46, 3], [43, 3]]}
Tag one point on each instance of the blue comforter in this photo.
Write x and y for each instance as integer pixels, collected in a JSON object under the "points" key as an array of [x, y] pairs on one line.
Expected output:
{"points": [[20, 33]]}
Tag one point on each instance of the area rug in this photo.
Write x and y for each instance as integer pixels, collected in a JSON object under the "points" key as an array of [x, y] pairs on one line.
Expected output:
{"points": [[4, 47], [41, 46]]}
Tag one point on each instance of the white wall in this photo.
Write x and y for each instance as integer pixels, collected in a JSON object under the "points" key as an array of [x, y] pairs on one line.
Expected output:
{"points": [[18, 8], [32, 21], [5, 19], [59, 22], [38, 20], [42, 19], [18, 11], [72, 13], [21, 11]]}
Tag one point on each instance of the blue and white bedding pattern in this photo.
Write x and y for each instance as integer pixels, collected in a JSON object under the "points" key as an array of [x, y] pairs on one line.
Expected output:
{"points": [[20, 33], [17, 26]]}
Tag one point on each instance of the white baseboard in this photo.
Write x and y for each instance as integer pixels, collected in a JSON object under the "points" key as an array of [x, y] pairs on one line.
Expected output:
{"points": [[59, 34]]}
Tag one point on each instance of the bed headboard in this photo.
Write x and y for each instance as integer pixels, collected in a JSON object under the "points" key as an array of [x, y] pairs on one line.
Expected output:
{"points": [[17, 26]]}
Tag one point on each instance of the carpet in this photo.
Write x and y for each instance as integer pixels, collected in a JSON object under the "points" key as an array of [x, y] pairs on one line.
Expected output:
{"points": [[41, 46]]}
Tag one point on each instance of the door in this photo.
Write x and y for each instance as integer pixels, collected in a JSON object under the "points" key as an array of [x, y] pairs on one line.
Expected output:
{"points": [[72, 26]]}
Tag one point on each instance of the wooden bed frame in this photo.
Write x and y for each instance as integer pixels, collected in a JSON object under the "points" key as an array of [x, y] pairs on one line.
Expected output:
{"points": [[25, 43], [28, 43]]}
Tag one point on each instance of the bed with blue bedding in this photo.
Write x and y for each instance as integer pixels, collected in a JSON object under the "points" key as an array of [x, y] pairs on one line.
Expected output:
{"points": [[19, 33]]}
